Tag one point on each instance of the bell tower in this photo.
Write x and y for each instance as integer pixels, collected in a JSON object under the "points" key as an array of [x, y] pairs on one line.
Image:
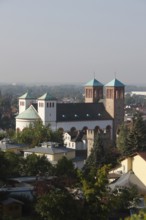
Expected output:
{"points": [[93, 91], [47, 109], [114, 103], [25, 101]]}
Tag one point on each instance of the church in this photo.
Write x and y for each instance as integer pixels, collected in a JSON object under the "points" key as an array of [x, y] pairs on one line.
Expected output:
{"points": [[103, 108]]}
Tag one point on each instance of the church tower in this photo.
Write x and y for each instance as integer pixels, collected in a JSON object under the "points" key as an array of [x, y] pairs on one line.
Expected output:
{"points": [[114, 103], [47, 109], [93, 91], [25, 101]]}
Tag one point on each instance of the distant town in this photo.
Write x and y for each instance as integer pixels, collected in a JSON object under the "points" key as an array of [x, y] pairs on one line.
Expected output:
{"points": [[72, 151]]}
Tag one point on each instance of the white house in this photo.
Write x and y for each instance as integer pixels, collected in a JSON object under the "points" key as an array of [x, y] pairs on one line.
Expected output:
{"points": [[77, 142]]}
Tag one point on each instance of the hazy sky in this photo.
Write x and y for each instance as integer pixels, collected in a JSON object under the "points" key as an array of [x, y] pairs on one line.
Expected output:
{"points": [[60, 41]]}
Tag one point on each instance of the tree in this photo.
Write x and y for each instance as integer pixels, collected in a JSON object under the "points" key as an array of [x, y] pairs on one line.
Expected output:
{"points": [[96, 195], [136, 139], [34, 165], [13, 164], [100, 155], [37, 133], [66, 172], [3, 166], [57, 205], [122, 138]]}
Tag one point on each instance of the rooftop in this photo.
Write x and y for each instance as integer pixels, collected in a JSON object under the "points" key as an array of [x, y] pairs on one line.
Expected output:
{"points": [[93, 83], [46, 96], [29, 113], [26, 96], [115, 83]]}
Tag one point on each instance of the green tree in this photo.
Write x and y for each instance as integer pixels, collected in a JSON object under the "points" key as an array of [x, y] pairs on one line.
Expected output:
{"points": [[3, 166], [37, 133], [122, 138], [136, 139], [57, 205], [100, 155], [13, 164], [65, 168], [96, 194], [34, 165]]}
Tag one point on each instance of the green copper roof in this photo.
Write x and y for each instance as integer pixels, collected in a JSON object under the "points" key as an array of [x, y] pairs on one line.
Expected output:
{"points": [[46, 96], [93, 83], [115, 83], [26, 96], [29, 113]]}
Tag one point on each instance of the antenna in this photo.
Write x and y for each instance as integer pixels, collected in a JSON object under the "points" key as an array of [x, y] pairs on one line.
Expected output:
{"points": [[94, 75], [115, 74]]}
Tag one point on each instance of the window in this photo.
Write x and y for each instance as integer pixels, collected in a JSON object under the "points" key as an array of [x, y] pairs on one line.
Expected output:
{"points": [[109, 93], [41, 104], [21, 103]]}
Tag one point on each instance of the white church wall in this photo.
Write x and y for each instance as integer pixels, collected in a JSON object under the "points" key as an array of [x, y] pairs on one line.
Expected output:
{"points": [[21, 123], [80, 124], [47, 111]]}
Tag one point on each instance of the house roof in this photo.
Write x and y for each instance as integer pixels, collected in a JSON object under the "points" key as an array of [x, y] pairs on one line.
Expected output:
{"points": [[142, 154], [49, 150], [81, 112], [115, 83], [128, 180], [7, 146], [29, 113], [94, 83], [46, 97], [26, 96]]}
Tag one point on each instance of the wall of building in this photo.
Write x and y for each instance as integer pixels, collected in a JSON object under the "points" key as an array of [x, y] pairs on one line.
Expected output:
{"points": [[23, 123], [47, 111], [139, 168], [79, 125]]}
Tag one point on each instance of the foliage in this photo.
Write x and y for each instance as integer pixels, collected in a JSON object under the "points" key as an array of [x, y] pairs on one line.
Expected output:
{"points": [[34, 134], [35, 165], [96, 195], [57, 205], [100, 155], [37, 133], [13, 164], [136, 139], [65, 167], [122, 139], [124, 198], [3, 166], [140, 216]]}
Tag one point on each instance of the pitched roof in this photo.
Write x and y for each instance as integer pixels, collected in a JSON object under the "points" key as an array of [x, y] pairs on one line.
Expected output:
{"points": [[29, 113], [128, 180], [26, 96], [49, 150], [142, 154], [115, 83], [46, 96], [81, 112], [94, 83]]}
